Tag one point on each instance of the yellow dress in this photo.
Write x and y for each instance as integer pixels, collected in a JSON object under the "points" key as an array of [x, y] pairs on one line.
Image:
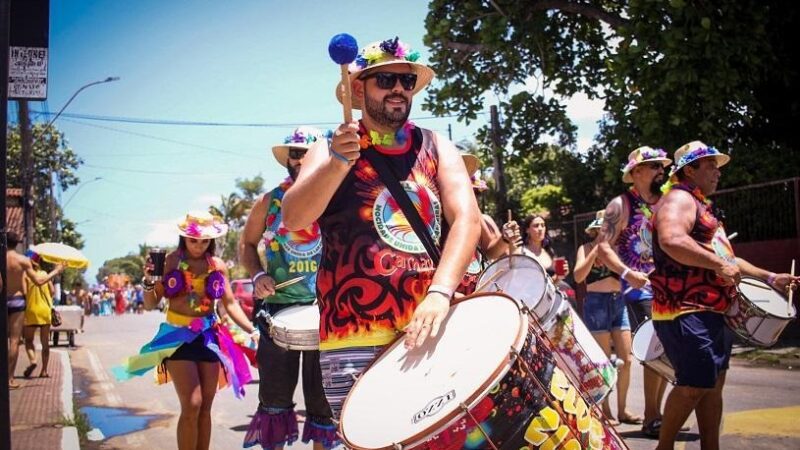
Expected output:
{"points": [[38, 303]]}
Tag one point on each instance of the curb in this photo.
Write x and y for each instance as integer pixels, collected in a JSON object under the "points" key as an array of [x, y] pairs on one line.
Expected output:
{"points": [[69, 435]]}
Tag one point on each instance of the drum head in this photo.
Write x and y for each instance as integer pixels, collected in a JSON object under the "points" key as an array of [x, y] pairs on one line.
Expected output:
{"points": [[765, 298], [519, 276], [646, 346], [300, 317], [407, 396]]}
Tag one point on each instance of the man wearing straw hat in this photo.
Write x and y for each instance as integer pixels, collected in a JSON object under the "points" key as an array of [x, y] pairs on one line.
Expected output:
{"points": [[694, 282], [624, 246], [288, 255], [377, 278]]}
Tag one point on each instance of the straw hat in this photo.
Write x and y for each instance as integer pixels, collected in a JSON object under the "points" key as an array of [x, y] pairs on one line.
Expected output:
{"points": [[642, 155], [471, 162], [302, 137], [695, 150], [384, 53], [202, 225], [597, 223]]}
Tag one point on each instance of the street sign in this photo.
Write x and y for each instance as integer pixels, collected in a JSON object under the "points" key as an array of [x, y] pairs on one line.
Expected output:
{"points": [[29, 38], [27, 73]]}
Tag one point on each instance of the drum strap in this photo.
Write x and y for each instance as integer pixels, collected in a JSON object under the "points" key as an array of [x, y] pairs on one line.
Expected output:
{"points": [[392, 183]]}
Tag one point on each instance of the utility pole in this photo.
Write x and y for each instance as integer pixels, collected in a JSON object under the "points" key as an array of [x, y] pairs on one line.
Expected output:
{"points": [[450, 132], [26, 170], [501, 199], [5, 397]]}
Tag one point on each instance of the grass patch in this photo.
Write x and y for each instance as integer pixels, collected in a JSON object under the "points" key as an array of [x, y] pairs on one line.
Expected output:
{"points": [[79, 420]]}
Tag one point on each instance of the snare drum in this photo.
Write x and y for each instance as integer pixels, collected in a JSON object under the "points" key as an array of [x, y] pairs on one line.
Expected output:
{"points": [[587, 363], [759, 313], [524, 279], [488, 371], [296, 327], [648, 350]]}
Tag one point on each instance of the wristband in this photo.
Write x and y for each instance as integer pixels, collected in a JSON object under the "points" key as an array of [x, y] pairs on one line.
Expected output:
{"points": [[255, 334], [625, 272], [336, 154], [258, 275], [771, 279], [440, 289]]}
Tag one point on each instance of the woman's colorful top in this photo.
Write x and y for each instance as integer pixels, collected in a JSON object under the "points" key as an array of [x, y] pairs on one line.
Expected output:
{"points": [[374, 269], [180, 329], [290, 254], [202, 290], [680, 289]]}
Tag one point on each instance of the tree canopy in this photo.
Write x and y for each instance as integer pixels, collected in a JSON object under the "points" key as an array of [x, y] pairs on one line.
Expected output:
{"points": [[668, 71]]}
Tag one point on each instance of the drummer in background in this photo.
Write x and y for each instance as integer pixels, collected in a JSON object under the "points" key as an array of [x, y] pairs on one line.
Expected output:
{"points": [[624, 245], [604, 313], [376, 279], [288, 255], [694, 283]]}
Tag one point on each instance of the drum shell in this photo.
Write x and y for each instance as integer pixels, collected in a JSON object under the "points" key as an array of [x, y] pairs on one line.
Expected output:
{"points": [[754, 324], [299, 335], [647, 348]]}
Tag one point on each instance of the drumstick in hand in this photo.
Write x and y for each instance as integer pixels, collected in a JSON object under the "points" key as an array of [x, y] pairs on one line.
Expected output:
{"points": [[511, 245], [791, 292]]}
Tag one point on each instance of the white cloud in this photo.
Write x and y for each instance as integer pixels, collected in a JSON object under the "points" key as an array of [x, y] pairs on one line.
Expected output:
{"points": [[581, 107]]}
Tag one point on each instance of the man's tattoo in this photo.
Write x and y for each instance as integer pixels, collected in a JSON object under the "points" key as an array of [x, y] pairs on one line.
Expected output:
{"points": [[611, 220]]}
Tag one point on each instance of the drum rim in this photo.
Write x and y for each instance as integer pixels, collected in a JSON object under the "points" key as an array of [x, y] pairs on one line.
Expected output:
{"points": [[636, 331], [516, 256], [769, 314], [439, 425]]}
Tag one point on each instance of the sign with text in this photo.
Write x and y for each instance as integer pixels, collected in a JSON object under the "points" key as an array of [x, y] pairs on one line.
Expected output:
{"points": [[29, 39]]}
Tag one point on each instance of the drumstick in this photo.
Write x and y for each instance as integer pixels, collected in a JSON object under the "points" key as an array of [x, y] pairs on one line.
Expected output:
{"points": [[733, 235], [290, 282], [760, 286], [343, 50], [791, 292], [511, 245]]}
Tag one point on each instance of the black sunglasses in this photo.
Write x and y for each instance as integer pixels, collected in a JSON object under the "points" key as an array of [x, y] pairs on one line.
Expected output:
{"points": [[387, 80], [296, 153]]}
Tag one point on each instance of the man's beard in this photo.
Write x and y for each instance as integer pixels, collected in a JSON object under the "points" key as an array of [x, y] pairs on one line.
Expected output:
{"points": [[385, 115], [655, 185], [293, 171]]}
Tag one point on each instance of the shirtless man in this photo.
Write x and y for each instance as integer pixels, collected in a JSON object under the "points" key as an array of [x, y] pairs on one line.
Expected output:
{"points": [[17, 266]]}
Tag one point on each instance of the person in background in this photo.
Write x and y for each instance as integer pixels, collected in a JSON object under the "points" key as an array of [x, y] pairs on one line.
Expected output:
{"points": [[605, 315], [39, 302]]}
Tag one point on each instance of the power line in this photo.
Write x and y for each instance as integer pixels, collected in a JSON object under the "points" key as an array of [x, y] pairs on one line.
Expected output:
{"points": [[139, 120], [158, 172]]}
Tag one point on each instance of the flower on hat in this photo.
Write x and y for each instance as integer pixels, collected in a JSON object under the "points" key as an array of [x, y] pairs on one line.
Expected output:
{"points": [[301, 136], [379, 52], [643, 155], [695, 150]]}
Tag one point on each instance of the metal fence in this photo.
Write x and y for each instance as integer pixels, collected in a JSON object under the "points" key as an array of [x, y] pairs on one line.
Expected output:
{"points": [[757, 212]]}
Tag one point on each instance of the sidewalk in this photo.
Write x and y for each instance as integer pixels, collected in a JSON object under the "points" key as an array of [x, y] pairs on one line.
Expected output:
{"points": [[41, 406]]}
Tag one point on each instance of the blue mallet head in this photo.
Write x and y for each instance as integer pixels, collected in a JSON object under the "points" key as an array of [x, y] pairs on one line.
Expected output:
{"points": [[343, 48]]}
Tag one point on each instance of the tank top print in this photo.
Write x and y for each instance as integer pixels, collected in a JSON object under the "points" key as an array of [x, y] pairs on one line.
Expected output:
{"points": [[680, 289], [374, 270], [290, 254], [635, 242]]}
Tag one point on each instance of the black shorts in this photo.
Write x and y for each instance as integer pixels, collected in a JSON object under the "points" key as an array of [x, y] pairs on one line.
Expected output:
{"points": [[16, 304], [194, 351]]}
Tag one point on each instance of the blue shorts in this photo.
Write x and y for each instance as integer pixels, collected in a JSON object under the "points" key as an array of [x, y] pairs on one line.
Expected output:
{"points": [[698, 345], [605, 312]]}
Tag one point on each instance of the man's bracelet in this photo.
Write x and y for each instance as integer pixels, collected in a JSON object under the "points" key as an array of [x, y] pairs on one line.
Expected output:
{"points": [[258, 275], [336, 154], [444, 290], [625, 272], [771, 278]]}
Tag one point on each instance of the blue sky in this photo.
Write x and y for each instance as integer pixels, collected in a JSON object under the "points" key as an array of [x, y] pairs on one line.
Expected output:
{"points": [[235, 62]]}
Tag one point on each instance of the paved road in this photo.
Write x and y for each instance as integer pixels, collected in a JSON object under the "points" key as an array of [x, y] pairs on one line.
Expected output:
{"points": [[762, 405]]}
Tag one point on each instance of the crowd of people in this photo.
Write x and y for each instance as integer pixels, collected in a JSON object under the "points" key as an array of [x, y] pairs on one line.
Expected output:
{"points": [[377, 229]]}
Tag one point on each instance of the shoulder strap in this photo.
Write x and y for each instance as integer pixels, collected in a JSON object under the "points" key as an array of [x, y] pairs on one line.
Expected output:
{"points": [[390, 179]]}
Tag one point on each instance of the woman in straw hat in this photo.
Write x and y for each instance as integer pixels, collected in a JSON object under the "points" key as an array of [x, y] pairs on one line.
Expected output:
{"points": [[191, 348], [604, 313]]}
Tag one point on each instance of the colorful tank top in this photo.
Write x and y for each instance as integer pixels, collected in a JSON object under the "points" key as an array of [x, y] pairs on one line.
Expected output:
{"points": [[680, 289], [635, 242], [290, 254], [374, 270], [202, 290]]}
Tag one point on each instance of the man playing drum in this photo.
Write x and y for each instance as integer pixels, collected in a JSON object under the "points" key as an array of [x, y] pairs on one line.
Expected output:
{"points": [[625, 248], [375, 278], [288, 255], [694, 283]]}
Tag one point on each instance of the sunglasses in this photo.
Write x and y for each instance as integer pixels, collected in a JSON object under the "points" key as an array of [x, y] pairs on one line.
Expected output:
{"points": [[653, 165], [387, 80], [296, 153]]}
